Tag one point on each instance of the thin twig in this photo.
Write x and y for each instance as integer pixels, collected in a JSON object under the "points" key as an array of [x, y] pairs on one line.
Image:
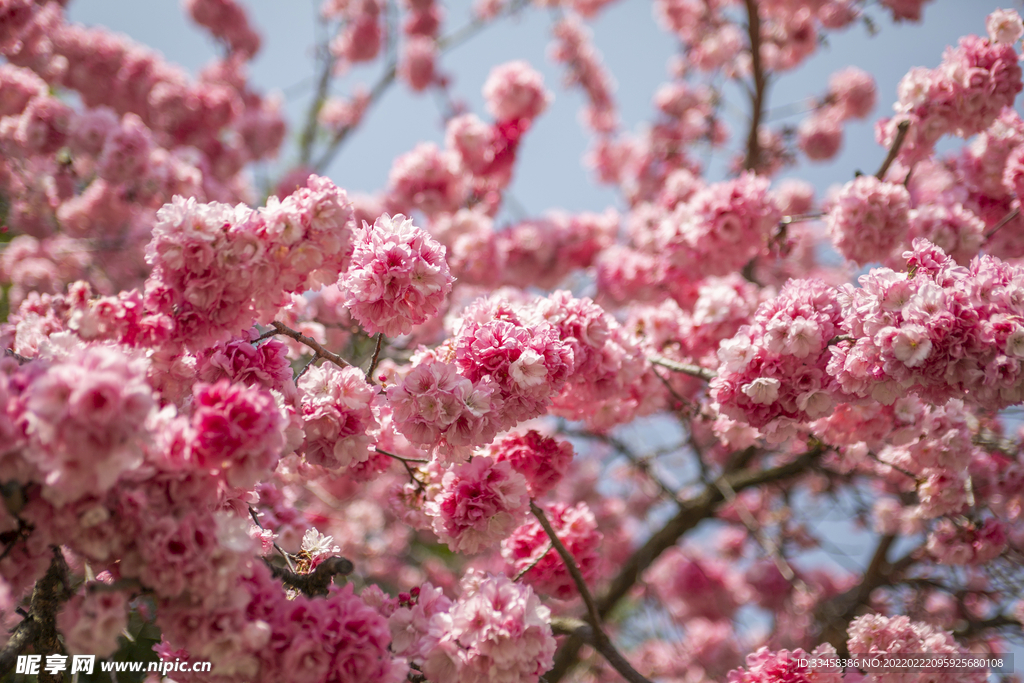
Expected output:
{"points": [[1003, 221], [444, 44], [841, 338], [411, 471], [899, 469], [309, 132], [766, 543], [753, 158], [570, 564], [894, 148], [311, 343], [685, 368], [256, 521], [533, 564], [601, 641], [693, 512], [375, 359]]}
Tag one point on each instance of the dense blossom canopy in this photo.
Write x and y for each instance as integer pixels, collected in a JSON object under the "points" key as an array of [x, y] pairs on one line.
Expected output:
{"points": [[422, 435]]}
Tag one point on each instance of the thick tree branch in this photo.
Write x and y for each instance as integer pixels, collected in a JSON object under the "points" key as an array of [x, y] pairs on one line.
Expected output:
{"points": [[691, 513], [316, 582], [40, 625], [23, 635], [835, 615]]}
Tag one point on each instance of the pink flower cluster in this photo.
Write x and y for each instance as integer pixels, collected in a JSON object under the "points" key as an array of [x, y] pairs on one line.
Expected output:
{"points": [[435, 406], [962, 96], [228, 22], [93, 620], [397, 276], [611, 382], [952, 228], [963, 543], [361, 36], [721, 227], [874, 634], [773, 373], [216, 268], [526, 360], [935, 444], [573, 47], [237, 432], [690, 586], [541, 459], [496, 630], [515, 91], [868, 219], [546, 250], [335, 405], [851, 95], [480, 503], [259, 634], [530, 547], [941, 330], [428, 179], [765, 666], [239, 361], [83, 421]]}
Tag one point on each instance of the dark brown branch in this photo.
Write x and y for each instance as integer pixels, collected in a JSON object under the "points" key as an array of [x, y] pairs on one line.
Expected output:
{"points": [[317, 581], [311, 343], [17, 356], [836, 614], [691, 513], [973, 628], [598, 638], [40, 625], [23, 635], [570, 564], [685, 368], [376, 358], [894, 148], [753, 159]]}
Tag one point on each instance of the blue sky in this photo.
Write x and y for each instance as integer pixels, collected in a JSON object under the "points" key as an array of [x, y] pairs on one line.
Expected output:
{"points": [[551, 172]]}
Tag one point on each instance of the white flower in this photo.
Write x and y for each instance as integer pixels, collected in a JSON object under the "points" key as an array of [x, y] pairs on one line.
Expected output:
{"points": [[763, 390]]}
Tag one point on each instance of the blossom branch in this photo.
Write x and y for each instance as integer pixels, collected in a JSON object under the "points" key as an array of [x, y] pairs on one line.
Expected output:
{"points": [[753, 158], [599, 639], [311, 343], [685, 368], [444, 44], [894, 148], [570, 564], [308, 135], [691, 513], [316, 582], [256, 521]]}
